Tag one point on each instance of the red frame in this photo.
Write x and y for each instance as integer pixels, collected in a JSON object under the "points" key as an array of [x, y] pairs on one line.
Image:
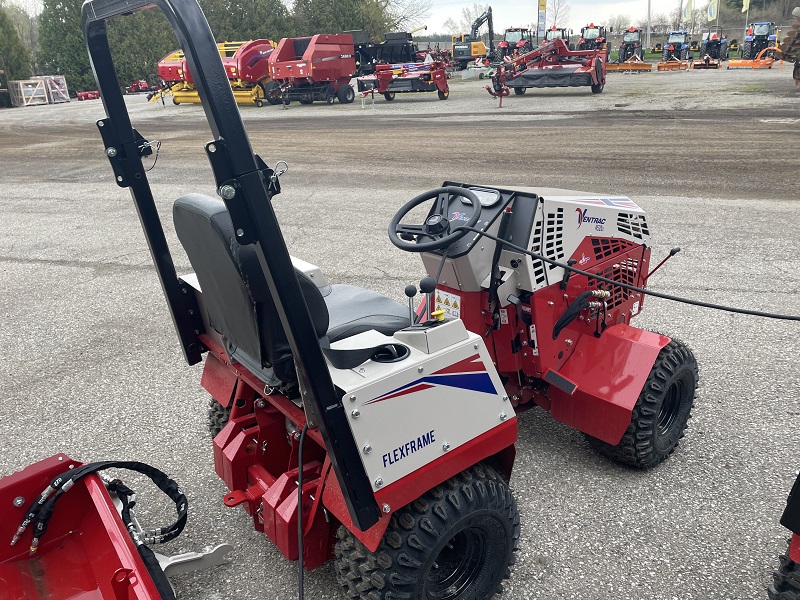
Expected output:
{"points": [[87, 548]]}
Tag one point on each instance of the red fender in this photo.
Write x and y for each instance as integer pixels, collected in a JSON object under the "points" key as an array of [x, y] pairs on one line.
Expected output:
{"points": [[794, 548], [609, 374]]}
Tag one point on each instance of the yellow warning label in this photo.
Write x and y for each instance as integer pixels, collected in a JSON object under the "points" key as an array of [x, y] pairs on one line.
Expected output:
{"points": [[455, 303], [438, 298], [447, 301]]}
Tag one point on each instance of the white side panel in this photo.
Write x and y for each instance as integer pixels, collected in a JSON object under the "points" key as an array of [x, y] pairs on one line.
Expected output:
{"points": [[412, 412]]}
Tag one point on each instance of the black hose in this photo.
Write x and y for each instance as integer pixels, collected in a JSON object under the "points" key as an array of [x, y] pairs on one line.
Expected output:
{"points": [[625, 286], [300, 444]]}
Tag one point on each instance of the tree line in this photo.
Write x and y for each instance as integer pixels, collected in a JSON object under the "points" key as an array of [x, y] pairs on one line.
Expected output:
{"points": [[51, 42]]}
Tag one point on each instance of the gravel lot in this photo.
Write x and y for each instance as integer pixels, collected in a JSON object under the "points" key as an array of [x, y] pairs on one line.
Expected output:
{"points": [[92, 367]]}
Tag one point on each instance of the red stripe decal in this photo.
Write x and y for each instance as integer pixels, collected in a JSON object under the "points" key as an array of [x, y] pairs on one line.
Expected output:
{"points": [[468, 365], [411, 390]]}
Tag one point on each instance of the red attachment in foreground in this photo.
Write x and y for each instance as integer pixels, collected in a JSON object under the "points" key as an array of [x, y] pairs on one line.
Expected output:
{"points": [[87, 553], [794, 548]]}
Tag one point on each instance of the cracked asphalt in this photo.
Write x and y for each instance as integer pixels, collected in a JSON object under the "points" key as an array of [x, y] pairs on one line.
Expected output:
{"points": [[91, 366]]}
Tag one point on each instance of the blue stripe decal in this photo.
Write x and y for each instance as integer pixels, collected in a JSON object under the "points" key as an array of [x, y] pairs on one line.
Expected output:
{"points": [[476, 382]]}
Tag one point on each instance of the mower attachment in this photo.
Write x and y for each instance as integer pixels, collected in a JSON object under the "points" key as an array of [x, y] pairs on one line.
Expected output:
{"points": [[673, 64], [764, 60], [706, 62], [634, 63]]}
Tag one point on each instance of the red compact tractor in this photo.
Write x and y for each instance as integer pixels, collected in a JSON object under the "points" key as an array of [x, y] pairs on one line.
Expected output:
{"points": [[551, 65], [786, 580], [333, 406], [593, 37], [312, 68]]}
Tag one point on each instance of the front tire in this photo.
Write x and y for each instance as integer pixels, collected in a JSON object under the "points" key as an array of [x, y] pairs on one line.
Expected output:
{"points": [[389, 96], [785, 581], [455, 542], [661, 412], [444, 95], [519, 91]]}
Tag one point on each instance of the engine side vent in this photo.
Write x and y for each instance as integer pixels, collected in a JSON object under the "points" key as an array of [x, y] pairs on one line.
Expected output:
{"points": [[633, 225], [536, 246], [608, 247], [554, 236], [623, 272]]}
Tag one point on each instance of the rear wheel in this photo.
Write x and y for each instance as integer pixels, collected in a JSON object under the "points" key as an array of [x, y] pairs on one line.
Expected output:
{"points": [[456, 542], [307, 99], [389, 96], [666, 55], [661, 413], [345, 94], [217, 417], [519, 91], [598, 69], [444, 95], [684, 54], [785, 581], [747, 50]]}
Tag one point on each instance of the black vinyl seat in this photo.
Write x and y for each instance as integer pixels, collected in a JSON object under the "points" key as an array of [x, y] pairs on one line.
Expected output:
{"points": [[240, 306]]}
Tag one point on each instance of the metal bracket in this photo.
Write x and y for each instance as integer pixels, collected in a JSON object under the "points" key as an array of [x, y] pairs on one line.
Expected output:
{"points": [[193, 561]]}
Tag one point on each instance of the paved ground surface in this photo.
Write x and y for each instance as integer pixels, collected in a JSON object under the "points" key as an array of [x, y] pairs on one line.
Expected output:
{"points": [[91, 367]]}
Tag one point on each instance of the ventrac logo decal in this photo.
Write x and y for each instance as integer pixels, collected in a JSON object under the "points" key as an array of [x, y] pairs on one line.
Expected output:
{"points": [[468, 374], [598, 222], [459, 216]]}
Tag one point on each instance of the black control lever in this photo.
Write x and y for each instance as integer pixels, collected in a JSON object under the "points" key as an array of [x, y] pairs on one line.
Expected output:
{"points": [[567, 273], [672, 253], [411, 291]]}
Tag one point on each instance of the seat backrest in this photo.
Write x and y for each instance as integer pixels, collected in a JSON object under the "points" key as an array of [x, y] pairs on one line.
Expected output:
{"points": [[234, 289]]}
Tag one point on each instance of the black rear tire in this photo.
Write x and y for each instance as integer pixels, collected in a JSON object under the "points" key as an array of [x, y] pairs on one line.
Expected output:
{"points": [[598, 69], [785, 581], [389, 96], [666, 55], [661, 413], [345, 94], [456, 542], [519, 91], [747, 51], [444, 95], [217, 417]]}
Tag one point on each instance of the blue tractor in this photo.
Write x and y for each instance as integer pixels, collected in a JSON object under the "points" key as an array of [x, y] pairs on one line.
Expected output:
{"points": [[677, 46], [757, 37]]}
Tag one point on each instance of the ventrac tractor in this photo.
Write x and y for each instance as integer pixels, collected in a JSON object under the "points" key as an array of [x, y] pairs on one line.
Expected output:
{"points": [[353, 427]]}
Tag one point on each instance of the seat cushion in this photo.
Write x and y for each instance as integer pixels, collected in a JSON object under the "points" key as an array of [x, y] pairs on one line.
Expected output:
{"points": [[353, 310]]}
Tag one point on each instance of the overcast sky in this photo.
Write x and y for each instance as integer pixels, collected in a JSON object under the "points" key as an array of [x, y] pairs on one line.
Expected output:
{"points": [[510, 13]]}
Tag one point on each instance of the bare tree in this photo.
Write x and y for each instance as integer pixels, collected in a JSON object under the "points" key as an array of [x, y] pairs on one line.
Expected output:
{"points": [[451, 27], [468, 15], [558, 12], [618, 23], [408, 14]]}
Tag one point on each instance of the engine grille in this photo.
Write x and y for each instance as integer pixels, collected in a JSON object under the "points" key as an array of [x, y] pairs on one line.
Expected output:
{"points": [[607, 247], [536, 246], [554, 237], [623, 272], [633, 225]]}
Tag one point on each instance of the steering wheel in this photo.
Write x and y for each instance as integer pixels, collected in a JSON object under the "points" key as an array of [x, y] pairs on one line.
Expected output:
{"points": [[437, 226]]}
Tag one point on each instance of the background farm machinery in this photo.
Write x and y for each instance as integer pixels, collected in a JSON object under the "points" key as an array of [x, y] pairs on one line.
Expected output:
{"points": [[758, 37], [551, 65], [245, 66], [389, 80], [467, 47], [516, 41], [312, 68], [713, 50], [556, 33], [593, 37], [676, 54], [631, 53]]}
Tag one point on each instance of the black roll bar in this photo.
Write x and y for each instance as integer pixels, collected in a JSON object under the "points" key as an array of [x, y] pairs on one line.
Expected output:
{"points": [[246, 185]]}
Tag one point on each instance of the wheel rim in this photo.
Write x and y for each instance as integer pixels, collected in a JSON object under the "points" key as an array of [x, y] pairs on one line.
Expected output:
{"points": [[457, 565], [671, 407]]}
